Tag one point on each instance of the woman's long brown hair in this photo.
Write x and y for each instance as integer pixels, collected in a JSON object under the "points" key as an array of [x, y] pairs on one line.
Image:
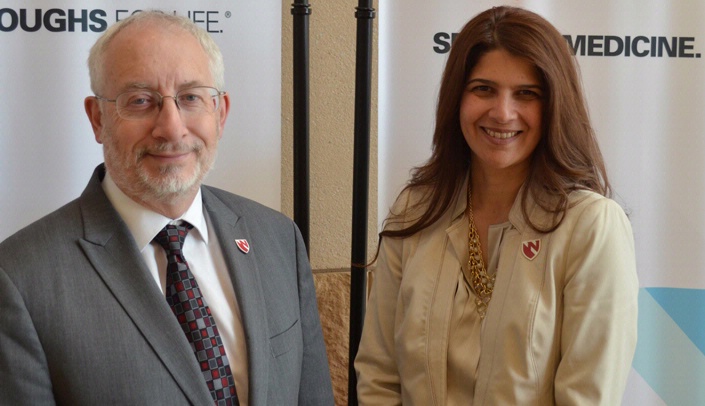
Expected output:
{"points": [[567, 157]]}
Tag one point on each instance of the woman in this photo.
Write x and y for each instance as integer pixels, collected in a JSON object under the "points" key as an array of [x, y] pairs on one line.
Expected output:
{"points": [[505, 276]]}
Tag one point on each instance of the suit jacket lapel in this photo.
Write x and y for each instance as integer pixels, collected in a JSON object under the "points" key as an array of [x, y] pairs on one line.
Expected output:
{"points": [[244, 274], [458, 230], [113, 253]]}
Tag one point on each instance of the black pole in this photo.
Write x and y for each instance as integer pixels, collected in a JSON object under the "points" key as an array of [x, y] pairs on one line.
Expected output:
{"points": [[361, 179], [300, 9]]}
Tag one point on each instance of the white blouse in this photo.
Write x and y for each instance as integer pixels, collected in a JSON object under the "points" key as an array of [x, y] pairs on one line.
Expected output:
{"points": [[464, 343]]}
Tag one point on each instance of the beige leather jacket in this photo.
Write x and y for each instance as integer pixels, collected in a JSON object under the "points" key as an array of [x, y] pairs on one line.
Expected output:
{"points": [[560, 329]]}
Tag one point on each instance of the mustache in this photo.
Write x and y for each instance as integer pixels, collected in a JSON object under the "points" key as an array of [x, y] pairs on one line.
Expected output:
{"points": [[170, 147]]}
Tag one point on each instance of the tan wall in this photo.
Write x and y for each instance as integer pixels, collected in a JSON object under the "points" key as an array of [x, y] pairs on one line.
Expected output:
{"points": [[332, 37]]}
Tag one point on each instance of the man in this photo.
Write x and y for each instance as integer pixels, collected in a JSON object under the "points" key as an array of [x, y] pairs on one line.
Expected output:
{"points": [[96, 309]]}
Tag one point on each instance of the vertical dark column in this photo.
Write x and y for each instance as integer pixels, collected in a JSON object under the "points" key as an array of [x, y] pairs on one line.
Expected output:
{"points": [[300, 9], [361, 174]]}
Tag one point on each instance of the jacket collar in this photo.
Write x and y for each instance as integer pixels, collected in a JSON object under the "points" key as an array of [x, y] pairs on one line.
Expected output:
{"points": [[113, 253], [516, 217], [539, 216]]}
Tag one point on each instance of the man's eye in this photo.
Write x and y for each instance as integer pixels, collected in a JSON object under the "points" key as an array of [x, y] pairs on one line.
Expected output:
{"points": [[139, 100], [191, 99]]}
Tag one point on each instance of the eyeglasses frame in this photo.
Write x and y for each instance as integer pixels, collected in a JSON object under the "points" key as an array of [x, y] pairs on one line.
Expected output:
{"points": [[219, 93]]}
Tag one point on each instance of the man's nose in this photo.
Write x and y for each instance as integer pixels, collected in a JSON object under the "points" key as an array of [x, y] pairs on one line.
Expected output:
{"points": [[169, 122]]}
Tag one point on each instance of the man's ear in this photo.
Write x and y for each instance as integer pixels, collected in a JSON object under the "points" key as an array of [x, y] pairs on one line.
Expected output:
{"points": [[95, 116], [223, 112]]}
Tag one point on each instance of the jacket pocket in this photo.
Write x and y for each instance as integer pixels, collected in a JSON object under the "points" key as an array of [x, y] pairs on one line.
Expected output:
{"points": [[285, 341]]}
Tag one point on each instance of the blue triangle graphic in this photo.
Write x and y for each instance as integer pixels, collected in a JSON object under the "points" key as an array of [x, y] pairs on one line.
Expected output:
{"points": [[687, 309]]}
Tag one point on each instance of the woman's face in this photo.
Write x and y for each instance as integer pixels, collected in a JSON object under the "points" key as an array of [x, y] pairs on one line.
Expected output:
{"points": [[500, 112]]}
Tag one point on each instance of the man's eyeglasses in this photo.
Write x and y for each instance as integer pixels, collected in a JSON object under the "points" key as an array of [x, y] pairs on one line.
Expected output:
{"points": [[145, 103]]}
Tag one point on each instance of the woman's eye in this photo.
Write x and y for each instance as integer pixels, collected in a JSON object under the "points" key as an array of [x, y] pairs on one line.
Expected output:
{"points": [[481, 90], [526, 94]]}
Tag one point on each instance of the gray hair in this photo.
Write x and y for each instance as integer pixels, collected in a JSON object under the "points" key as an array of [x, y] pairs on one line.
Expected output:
{"points": [[97, 53]]}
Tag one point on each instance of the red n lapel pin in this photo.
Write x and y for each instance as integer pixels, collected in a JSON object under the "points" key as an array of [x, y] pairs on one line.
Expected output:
{"points": [[531, 249], [243, 245]]}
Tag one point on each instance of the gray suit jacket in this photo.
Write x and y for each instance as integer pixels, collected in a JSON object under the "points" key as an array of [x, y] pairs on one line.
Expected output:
{"points": [[83, 323]]}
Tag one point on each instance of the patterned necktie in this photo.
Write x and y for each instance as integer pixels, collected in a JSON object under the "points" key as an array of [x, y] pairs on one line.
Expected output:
{"points": [[194, 315]]}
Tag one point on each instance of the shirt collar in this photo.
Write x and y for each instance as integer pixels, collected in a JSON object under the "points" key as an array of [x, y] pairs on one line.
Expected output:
{"points": [[143, 223]]}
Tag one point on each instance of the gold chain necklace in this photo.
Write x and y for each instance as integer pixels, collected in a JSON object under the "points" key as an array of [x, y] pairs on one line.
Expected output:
{"points": [[481, 282]]}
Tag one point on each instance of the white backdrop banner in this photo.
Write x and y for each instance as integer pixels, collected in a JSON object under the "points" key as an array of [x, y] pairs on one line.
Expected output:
{"points": [[644, 77], [47, 149]]}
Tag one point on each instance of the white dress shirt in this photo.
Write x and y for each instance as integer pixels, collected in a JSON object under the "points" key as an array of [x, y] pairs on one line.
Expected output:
{"points": [[205, 258]]}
